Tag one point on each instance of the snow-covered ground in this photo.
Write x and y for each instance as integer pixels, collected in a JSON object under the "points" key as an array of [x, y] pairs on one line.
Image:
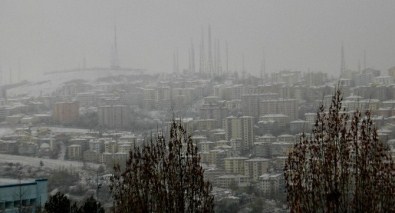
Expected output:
{"points": [[49, 163], [6, 131], [46, 84]]}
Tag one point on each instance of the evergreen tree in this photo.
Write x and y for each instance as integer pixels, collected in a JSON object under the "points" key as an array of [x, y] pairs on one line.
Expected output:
{"points": [[57, 203], [91, 206]]}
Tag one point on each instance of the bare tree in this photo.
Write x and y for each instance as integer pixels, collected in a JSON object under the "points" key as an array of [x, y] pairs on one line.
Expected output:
{"points": [[342, 166], [163, 176]]}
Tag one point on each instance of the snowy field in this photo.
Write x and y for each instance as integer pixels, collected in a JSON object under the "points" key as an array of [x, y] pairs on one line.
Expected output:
{"points": [[49, 163], [46, 84]]}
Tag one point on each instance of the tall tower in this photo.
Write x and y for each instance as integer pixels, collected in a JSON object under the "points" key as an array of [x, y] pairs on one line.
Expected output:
{"points": [[202, 60], [1, 76], [175, 61], [215, 59], [210, 56], [227, 58], [343, 61], [10, 75], [18, 78], [243, 71], [192, 58], [114, 57], [263, 65], [219, 65]]}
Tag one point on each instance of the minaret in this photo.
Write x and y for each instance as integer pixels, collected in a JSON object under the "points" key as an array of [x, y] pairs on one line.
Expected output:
{"points": [[343, 61], [114, 59], [202, 62], [364, 59]]}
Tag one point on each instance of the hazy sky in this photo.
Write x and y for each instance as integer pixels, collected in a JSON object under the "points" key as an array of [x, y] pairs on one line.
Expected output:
{"points": [[298, 35]]}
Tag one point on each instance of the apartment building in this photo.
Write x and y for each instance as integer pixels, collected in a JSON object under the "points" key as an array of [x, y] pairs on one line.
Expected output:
{"points": [[240, 128], [235, 165], [288, 107], [66, 112], [114, 116], [255, 167]]}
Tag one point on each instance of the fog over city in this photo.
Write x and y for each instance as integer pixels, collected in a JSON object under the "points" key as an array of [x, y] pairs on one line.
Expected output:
{"points": [[41, 36], [197, 106]]}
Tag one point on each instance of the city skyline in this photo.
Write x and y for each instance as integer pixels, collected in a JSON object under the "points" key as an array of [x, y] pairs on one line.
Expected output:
{"points": [[42, 36]]}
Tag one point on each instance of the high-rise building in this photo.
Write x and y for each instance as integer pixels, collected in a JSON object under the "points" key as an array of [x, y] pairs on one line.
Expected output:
{"points": [[235, 164], [255, 167], [114, 116], [240, 128], [250, 105], [74, 152], [214, 109], [66, 112], [287, 107]]}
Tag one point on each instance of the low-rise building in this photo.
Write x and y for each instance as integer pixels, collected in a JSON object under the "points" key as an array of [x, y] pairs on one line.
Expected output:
{"points": [[22, 195]]}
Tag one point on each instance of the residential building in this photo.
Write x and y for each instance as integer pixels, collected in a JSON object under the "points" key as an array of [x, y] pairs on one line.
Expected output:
{"points": [[74, 152], [288, 107], [235, 165], [225, 181], [240, 128], [114, 116], [66, 112], [255, 167]]}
